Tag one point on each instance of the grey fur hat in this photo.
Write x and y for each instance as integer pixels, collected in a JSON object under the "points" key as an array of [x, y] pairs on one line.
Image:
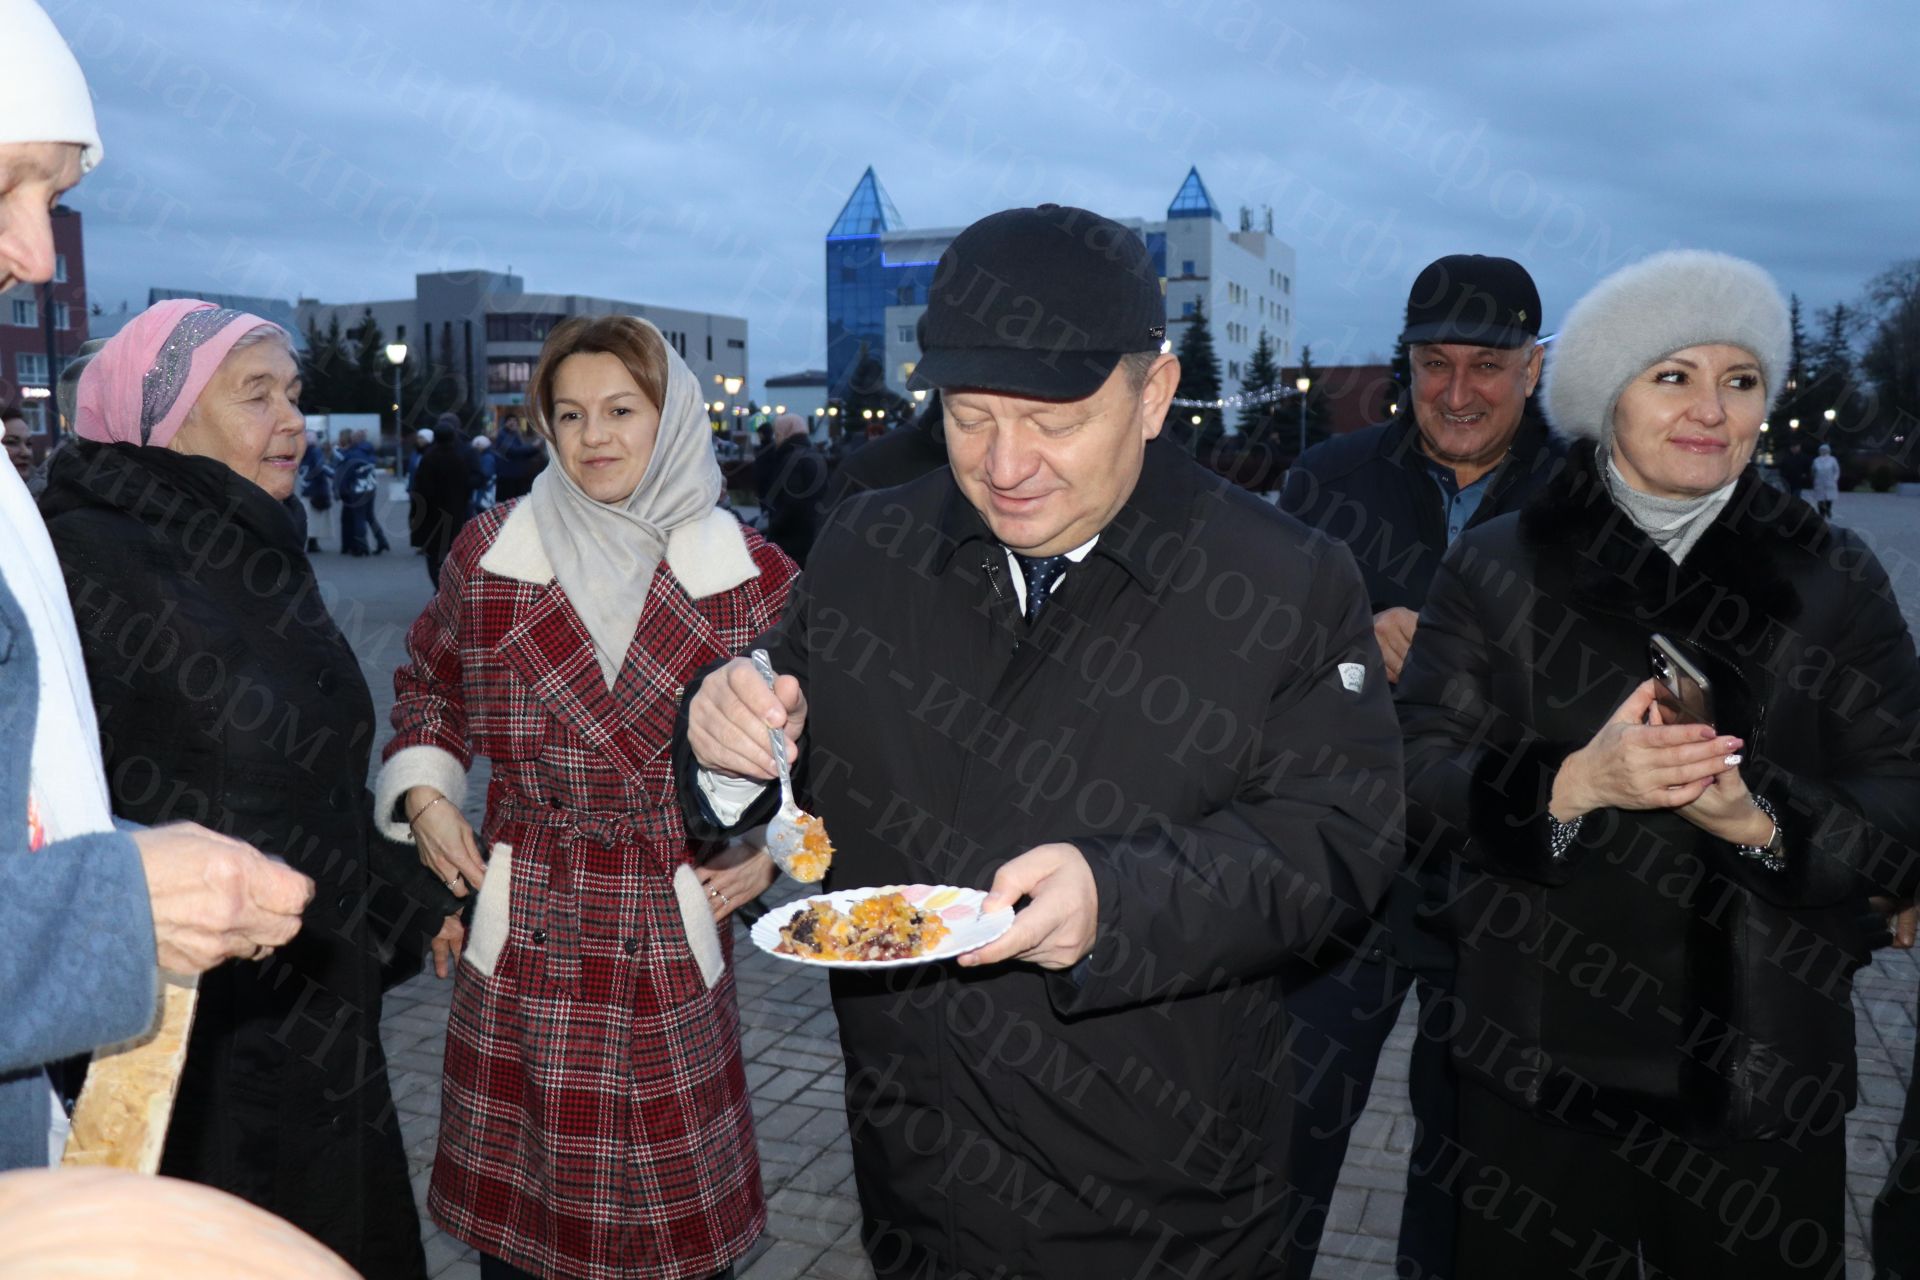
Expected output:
{"points": [[1646, 312]]}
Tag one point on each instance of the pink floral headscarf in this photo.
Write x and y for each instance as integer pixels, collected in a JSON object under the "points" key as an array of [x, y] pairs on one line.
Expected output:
{"points": [[141, 385]]}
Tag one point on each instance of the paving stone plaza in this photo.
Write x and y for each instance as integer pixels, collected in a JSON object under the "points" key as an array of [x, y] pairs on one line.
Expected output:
{"points": [[793, 1054]]}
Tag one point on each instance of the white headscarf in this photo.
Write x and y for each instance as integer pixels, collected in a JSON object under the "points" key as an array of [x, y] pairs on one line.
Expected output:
{"points": [[43, 96], [604, 554]]}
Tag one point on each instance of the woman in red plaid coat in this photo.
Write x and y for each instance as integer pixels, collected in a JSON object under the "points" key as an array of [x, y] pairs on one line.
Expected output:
{"points": [[595, 1120]]}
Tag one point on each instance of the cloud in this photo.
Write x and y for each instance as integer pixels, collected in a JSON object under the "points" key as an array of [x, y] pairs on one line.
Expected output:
{"points": [[694, 155]]}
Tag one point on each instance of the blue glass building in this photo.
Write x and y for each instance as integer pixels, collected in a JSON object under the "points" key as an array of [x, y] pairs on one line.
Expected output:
{"points": [[879, 270], [862, 283]]}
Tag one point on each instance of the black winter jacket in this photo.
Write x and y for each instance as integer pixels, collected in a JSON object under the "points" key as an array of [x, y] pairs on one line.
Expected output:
{"points": [[442, 496], [227, 696], [899, 457], [793, 498], [1201, 710], [1652, 971], [1373, 490]]}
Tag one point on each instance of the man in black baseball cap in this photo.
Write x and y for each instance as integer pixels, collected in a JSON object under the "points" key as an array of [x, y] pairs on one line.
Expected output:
{"points": [[1039, 302], [1038, 318], [1141, 707], [1464, 445]]}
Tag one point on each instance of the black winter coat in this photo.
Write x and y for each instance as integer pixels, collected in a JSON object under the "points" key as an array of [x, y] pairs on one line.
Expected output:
{"points": [[1652, 971], [227, 696], [793, 498], [442, 496], [899, 457], [1183, 712], [1374, 490]]}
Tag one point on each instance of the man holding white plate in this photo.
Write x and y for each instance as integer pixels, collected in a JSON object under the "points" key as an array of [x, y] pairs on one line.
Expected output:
{"points": [[1137, 703]]}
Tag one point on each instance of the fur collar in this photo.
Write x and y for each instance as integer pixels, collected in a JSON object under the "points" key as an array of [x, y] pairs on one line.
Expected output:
{"points": [[707, 556], [1734, 588]]}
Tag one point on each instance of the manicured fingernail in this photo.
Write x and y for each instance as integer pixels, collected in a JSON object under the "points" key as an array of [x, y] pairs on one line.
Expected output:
{"points": [[1732, 759]]}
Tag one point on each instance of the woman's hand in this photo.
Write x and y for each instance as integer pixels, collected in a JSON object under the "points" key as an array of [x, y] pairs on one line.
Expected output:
{"points": [[1726, 809], [445, 839], [1633, 765], [735, 876], [447, 945]]}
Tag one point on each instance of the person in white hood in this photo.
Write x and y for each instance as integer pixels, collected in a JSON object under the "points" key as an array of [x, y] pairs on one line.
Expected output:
{"points": [[88, 911]]}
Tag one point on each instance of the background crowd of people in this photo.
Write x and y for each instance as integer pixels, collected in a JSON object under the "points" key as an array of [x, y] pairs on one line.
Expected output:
{"points": [[1535, 701]]}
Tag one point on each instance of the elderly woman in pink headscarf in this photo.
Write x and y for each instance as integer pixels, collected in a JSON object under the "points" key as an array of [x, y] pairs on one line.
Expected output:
{"points": [[226, 695]]}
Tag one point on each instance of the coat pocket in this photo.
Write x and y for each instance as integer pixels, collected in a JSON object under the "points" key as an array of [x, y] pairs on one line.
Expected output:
{"points": [[493, 913], [696, 917]]}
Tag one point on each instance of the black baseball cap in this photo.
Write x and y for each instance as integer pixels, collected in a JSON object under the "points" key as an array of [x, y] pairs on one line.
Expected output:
{"points": [[1040, 303], [1473, 299]]}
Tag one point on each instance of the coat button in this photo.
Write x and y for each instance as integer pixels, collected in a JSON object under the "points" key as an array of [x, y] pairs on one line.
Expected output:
{"points": [[553, 802], [339, 799], [539, 937], [326, 681], [631, 946], [344, 903]]}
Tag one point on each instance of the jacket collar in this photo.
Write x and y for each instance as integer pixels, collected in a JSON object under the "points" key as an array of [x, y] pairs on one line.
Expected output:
{"points": [[173, 493], [708, 556], [1136, 538], [1745, 555]]}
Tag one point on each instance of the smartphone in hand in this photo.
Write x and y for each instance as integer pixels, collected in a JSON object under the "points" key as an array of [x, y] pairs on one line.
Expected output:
{"points": [[1684, 695]]}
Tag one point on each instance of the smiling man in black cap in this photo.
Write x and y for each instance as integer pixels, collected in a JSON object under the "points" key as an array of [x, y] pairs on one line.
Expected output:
{"points": [[1466, 446], [1138, 703]]}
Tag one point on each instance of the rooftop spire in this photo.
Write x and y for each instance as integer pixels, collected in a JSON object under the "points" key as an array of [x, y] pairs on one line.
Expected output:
{"points": [[1192, 200], [868, 211]]}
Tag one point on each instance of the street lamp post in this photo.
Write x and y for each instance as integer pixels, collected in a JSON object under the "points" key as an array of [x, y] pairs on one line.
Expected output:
{"points": [[1303, 384], [397, 356]]}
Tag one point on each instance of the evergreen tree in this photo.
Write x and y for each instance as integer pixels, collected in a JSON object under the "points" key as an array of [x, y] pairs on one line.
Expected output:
{"points": [[1199, 373], [1831, 358], [1257, 388], [867, 389], [1796, 397], [1797, 354], [1402, 371], [1317, 416], [346, 371]]}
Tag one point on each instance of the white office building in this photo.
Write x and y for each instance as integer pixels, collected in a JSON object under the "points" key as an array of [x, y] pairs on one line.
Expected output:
{"points": [[1242, 277]]}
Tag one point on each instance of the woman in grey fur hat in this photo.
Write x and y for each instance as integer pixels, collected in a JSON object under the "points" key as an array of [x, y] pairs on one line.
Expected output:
{"points": [[1662, 902]]}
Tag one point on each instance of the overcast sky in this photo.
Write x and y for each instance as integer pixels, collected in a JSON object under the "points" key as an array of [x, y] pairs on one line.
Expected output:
{"points": [[693, 154]]}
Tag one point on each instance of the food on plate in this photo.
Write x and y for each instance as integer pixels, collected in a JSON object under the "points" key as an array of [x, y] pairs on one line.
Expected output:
{"points": [[883, 927], [816, 851]]}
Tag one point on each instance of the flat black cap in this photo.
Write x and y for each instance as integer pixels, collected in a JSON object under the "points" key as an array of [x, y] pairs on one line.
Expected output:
{"points": [[1039, 303], [1475, 300]]}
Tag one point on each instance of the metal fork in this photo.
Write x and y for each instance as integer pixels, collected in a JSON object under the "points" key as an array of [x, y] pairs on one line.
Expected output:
{"points": [[785, 836]]}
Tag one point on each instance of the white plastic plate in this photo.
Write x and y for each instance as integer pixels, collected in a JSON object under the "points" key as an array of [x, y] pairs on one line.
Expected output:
{"points": [[967, 928]]}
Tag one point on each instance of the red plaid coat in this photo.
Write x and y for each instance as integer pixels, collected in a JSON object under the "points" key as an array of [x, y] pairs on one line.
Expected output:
{"points": [[595, 1120]]}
